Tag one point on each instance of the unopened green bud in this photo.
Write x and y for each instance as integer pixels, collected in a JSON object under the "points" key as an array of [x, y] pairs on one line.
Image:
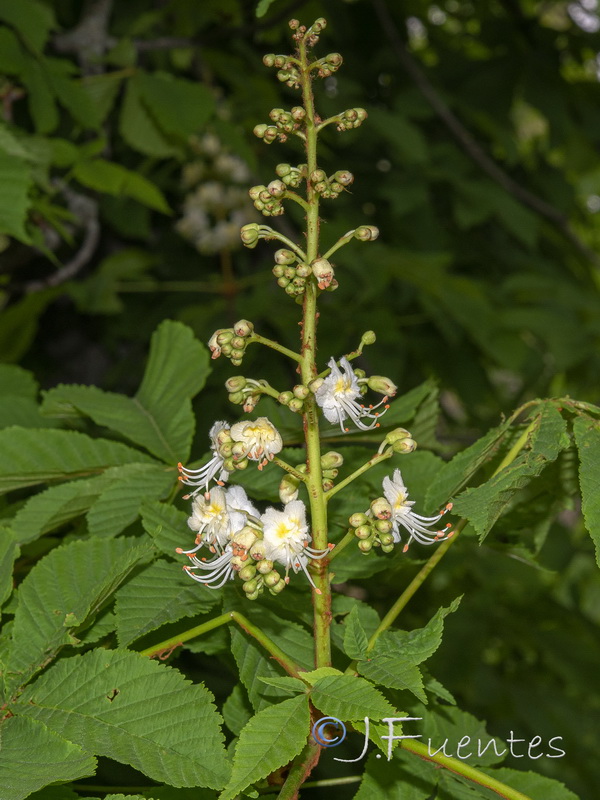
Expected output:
{"points": [[323, 272], [385, 537], [381, 508], [279, 587], [247, 572], [251, 586], [265, 566], [296, 405], [236, 356], [301, 391], [250, 234], [236, 362], [298, 113], [276, 188], [357, 519], [283, 169], [332, 460], [334, 60], [387, 548], [365, 546], [332, 286], [238, 343], [237, 398], [236, 383], [404, 446], [278, 271], [284, 257], [382, 526], [316, 384], [272, 577], [243, 328], [260, 130], [366, 233], [327, 484], [238, 449], [241, 463], [257, 551], [368, 337], [318, 175], [383, 385], [283, 282], [363, 532], [303, 271], [344, 177], [330, 473], [224, 336], [289, 272], [269, 60], [229, 463], [285, 397]]}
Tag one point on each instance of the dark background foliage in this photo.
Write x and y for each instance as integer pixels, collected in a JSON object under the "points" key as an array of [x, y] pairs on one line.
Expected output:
{"points": [[479, 165]]}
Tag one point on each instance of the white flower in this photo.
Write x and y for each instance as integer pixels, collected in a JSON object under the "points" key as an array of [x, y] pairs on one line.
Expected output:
{"points": [[260, 439], [218, 517], [286, 539], [402, 515], [212, 469], [338, 397]]}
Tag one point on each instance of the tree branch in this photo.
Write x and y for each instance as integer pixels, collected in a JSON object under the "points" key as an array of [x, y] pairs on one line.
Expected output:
{"points": [[469, 144]]}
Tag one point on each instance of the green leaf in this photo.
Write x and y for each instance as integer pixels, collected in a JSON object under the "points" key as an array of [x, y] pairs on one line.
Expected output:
{"points": [[482, 506], [114, 179], [355, 638], [532, 784], [138, 128], [160, 593], [17, 382], [394, 672], [458, 734], [459, 470], [237, 711], [587, 438], [23, 412], [14, 197], [166, 525], [60, 594], [32, 19], [404, 777], [72, 96], [19, 323], [123, 705], [48, 510], [29, 457], [160, 416], [40, 96], [347, 697], [270, 740], [130, 486], [287, 684], [180, 107], [9, 551], [32, 756]]}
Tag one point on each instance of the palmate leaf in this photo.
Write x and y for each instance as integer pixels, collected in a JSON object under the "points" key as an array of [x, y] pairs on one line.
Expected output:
{"points": [[483, 505], [347, 697], [29, 457], [17, 382], [270, 740], [123, 705], [60, 593], [394, 672], [167, 526], [9, 551], [160, 593], [159, 417], [32, 756], [587, 437]]}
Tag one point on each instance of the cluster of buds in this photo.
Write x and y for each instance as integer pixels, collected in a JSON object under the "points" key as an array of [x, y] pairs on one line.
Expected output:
{"points": [[267, 199], [291, 176], [374, 528], [328, 65], [366, 233], [330, 188], [294, 400], [231, 342], [255, 570], [287, 121], [310, 35], [351, 118], [287, 71], [400, 440], [244, 392], [253, 231], [330, 464], [290, 275]]}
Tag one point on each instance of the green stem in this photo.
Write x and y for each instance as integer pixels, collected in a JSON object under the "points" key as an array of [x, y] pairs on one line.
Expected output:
{"points": [[255, 337], [296, 198], [273, 234], [299, 771], [347, 237], [460, 768], [344, 542], [288, 468], [168, 645], [376, 459], [314, 483]]}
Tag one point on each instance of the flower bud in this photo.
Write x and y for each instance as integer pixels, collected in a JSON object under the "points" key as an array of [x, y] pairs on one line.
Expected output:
{"points": [[236, 383], [251, 402], [323, 272], [301, 391], [366, 233], [251, 586], [404, 445], [298, 113], [229, 464], [237, 398], [283, 169], [387, 548], [269, 60], [250, 234], [327, 484], [368, 337], [334, 60], [224, 336], [237, 356], [357, 519], [378, 383], [318, 175], [285, 397], [331, 460], [284, 256], [237, 362], [288, 488], [243, 328], [277, 271], [332, 286], [265, 566], [283, 282], [315, 385], [247, 572], [276, 188], [381, 508], [214, 346], [279, 587], [365, 546], [303, 270], [242, 463], [363, 531], [271, 578], [382, 526], [260, 130], [296, 405], [257, 551], [238, 343], [385, 537]]}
